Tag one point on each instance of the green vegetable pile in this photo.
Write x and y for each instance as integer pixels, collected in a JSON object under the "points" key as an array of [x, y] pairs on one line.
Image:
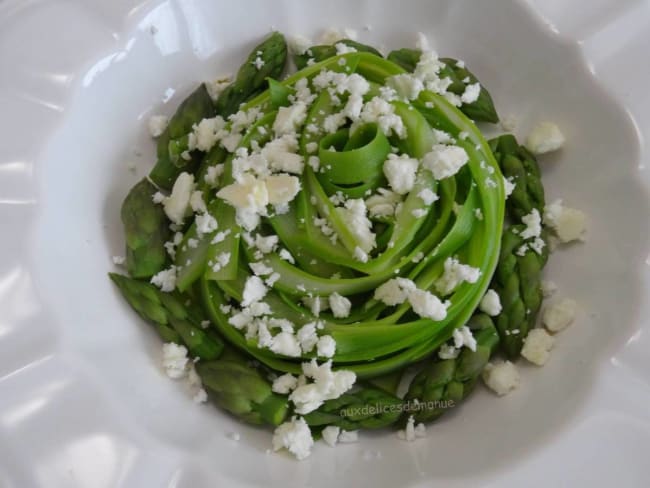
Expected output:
{"points": [[467, 222]]}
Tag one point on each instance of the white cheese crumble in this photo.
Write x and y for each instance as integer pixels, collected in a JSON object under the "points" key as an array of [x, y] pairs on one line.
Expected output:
{"points": [[331, 434], [454, 274], [490, 303], [354, 215], [298, 44], [349, 436], [165, 279], [537, 346], [464, 337], [326, 385], [177, 204], [501, 377], [290, 118], [427, 196], [447, 351], [407, 86], [254, 290], [205, 224], [119, 260], [427, 305], [533, 222], [215, 87], [568, 223], [445, 161], [284, 384], [394, 291], [294, 436], [382, 203], [174, 360], [508, 186], [548, 288], [282, 188], [307, 337], [559, 315], [157, 125], [545, 137], [340, 305], [326, 346], [471, 93], [400, 172]]}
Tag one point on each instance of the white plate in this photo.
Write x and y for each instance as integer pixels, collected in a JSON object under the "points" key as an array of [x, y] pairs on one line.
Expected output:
{"points": [[82, 399]]}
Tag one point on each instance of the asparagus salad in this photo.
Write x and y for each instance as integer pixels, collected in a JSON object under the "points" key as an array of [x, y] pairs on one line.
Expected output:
{"points": [[341, 248]]}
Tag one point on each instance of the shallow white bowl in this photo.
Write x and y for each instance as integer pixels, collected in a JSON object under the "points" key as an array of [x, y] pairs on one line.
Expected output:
{"points": [[82, 399]]}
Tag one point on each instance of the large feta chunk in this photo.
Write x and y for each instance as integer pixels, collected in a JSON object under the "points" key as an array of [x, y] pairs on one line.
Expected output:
{"points": [[569, 224], [445, 161], [501, 377], [290, 118], [545, 137], [559, 315], [294, 436], [400, 172], [282, 188], [537, 346], [454, 274], [177, 204]]}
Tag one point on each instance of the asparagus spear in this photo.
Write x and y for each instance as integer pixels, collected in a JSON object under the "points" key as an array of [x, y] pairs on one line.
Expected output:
{"points": [[146, 231], [174, 321], [517, 279], [367, 408], [325, 51], [251, 77], [197, 106], [445, 383], [241, 389], [481, 110]]}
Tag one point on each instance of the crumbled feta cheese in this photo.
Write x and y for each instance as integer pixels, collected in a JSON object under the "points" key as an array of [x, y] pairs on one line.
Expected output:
{"points": [[448, 352], [157, 125], [471, 93], [266, 244], [254, 290], [158, 197], [290, 118], [307, 337], [445, 161], [176, 205], [331, 434], [349, 436], [533, 222], [119, 260], [454, 274], [196, 202], [294, 436], [382, 203], [537, 346], [208, 131], [394, 291], [165, 279], [406, 85], [205, 224], [218, 85], [427, 196], [400, 172], [545, 137], [568, 223], [508, 186], [422, 42], [490, 303], [340, 305], [326, 346], [260, 269], [286, 344], [284, 384], [463, 337], [509, 122], [174, 360], [353, 214], [501, 377], [382, 113], [344, 48], [326, 385], [559, 315], [286, 255], [427, 305], [282, 188], [258, 62]]}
